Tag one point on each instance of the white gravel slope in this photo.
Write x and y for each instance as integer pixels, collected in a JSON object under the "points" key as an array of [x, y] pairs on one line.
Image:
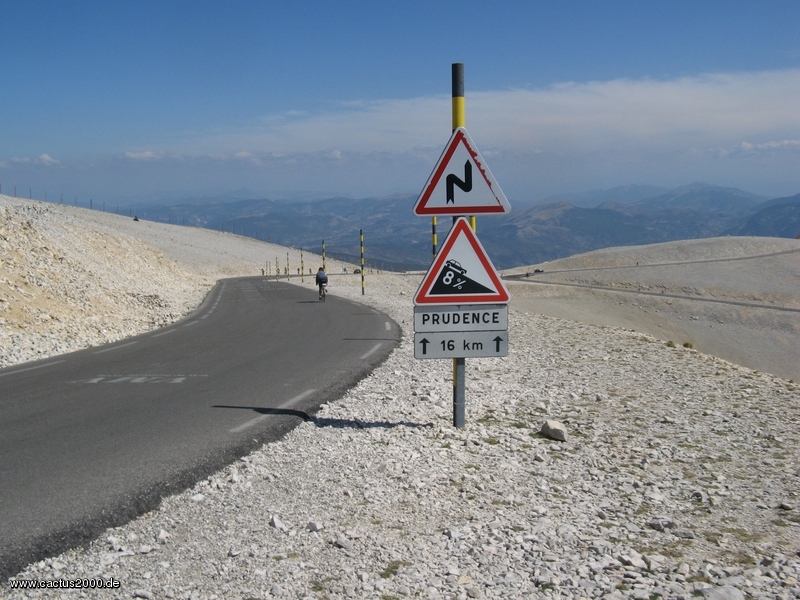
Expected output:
{"points": [[72, 278], [726, 296], [680, 477]]}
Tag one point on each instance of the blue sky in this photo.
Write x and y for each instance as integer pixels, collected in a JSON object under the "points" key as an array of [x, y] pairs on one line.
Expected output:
{"points": [[307, 99]]}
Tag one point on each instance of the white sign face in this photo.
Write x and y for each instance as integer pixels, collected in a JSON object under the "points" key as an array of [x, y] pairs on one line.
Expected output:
{"points": [[468, 317], [461, 273], [461, 344], [461, 183]]}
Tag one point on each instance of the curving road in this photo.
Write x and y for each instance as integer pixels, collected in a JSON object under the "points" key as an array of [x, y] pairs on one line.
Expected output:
{"points": [[93, 438]]}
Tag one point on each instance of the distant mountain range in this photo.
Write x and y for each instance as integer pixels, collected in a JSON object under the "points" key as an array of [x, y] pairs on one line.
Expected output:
{"points": [[562, 226]]}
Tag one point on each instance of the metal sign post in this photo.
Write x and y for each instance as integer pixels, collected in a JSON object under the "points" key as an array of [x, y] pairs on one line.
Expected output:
{"points": [[460, 363], [461, 306]]}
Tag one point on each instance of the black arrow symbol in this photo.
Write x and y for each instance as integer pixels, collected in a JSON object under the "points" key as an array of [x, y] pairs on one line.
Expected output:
{"points": [[497, 341], [465, 185], [425, 343]]}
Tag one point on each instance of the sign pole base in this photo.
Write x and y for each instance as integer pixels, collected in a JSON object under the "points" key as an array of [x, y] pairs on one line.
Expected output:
{"points": [[459, 393]]}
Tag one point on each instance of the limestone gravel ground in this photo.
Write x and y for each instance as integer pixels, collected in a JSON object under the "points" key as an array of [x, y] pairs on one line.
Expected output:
{"points": [[679, 478]]}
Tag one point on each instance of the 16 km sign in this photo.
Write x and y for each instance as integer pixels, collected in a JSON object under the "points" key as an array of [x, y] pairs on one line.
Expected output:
{"points": [[461, 344]]}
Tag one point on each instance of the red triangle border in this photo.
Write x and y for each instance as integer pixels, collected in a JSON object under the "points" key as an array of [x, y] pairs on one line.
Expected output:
{"points": [[461, 227], [421, 209]]}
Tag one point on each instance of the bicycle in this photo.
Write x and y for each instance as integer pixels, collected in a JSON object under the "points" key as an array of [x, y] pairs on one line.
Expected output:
{"points": [[323, 291]]}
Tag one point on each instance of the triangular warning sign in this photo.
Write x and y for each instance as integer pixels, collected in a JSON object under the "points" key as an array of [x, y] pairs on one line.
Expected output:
{"points": [[461, 273], [461, 183]]}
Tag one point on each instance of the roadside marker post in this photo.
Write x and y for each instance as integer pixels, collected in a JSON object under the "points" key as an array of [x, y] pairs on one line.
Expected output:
{"points": [[361, 242], [461, 306]]}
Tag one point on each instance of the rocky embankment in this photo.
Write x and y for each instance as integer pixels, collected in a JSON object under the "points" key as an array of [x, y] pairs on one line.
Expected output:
{"points": [[66, 285], [679, 477]]}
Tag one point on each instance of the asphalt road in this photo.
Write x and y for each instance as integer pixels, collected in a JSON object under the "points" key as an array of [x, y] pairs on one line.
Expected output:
{"points": [[94, 438]]}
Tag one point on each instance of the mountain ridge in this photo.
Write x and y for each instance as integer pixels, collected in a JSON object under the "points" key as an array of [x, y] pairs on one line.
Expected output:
{"points": [[396, 239]]}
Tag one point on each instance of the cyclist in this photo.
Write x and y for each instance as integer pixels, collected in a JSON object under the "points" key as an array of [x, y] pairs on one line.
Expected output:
{"points": [[322, 281]]}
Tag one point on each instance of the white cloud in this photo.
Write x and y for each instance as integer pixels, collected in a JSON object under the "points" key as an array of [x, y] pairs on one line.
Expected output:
{"points": [[146, 155], [247, 156], [677, 115], [568, 136], [737, 129], [47, 160], [770, 146]]}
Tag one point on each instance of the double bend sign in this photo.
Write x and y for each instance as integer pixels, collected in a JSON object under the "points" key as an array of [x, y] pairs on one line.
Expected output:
{"points": [[461, 183]]}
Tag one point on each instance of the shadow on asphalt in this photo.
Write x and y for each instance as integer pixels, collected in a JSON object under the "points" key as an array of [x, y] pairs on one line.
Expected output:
{"points": [[323, 422]]}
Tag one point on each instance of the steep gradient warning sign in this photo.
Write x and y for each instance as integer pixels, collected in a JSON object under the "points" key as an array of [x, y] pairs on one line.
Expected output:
{"points": [[462, 273], [461, 183]]}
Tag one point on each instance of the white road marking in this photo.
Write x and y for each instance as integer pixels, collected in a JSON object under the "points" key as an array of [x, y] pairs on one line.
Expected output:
{"points": [[260, 418], [191, 323], [55, 362], [388, 326], [139, 378], [115, 347], [374, 348], [165, 333]]}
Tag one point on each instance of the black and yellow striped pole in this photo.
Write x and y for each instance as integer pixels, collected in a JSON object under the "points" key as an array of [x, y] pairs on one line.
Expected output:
{"points": [[323, 256], [361, 241], [302, 268], [459, 364], [459, 106], [287, 266], [433, 235]]}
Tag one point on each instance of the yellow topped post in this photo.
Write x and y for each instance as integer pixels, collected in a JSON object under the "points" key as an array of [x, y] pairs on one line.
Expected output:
{"points": [[459, 364], [459, 108]]}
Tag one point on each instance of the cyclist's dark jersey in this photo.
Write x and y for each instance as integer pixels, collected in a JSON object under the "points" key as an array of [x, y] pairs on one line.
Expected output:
{"points": [[321, 277]]}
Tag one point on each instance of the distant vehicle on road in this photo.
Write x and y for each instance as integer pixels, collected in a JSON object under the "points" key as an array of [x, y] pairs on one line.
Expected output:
{"points": [[357, 271], [528, 274]]}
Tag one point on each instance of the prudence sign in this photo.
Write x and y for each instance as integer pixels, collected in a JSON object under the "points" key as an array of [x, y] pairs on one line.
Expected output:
{"points": [[464, 317]]}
